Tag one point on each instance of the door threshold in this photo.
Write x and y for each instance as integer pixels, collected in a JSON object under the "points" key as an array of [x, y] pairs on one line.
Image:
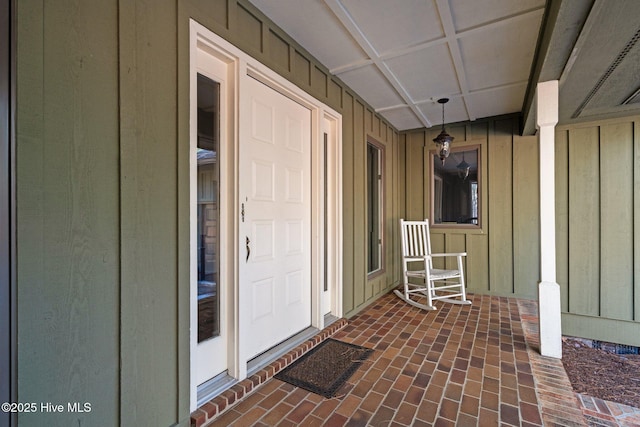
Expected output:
{"points": [[262, 360], [213, 387], [330, 319], [237, 392]]}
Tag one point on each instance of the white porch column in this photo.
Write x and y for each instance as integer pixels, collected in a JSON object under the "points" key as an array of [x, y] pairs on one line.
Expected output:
{"points": [[548, 289]]}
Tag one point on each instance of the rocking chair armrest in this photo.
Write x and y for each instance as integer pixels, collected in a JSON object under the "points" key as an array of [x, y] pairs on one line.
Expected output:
{"points": [[449, 254]]}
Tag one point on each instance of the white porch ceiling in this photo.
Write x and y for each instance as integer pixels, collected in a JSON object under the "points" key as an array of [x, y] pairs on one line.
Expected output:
{"points": [[401, 56]]}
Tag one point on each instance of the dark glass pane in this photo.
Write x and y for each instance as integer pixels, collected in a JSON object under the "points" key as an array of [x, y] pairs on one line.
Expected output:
{"points": [[455, 188], [373, 207], [208, 208]]}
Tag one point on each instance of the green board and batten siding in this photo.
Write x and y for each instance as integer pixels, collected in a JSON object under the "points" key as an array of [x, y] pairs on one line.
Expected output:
{"points": [[103, 216], [598, 229]]}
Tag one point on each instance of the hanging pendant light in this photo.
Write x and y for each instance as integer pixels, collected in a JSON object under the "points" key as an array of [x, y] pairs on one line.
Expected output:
{"points": [[463, 168], [443, 140]]}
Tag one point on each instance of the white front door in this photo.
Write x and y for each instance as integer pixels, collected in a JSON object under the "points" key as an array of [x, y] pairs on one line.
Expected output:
{"points": [[275, 228]]}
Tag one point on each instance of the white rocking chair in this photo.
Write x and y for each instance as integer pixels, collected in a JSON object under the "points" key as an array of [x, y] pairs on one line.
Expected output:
{"points": [[432, 283]]}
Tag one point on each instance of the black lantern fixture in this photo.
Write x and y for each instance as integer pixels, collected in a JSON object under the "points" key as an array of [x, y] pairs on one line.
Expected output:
{"points": [[443, 140], [463, 168]]}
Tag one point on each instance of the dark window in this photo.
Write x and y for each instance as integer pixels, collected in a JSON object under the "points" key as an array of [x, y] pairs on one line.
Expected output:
{"points": [[374, 207], [208, 208], [455, 188]]}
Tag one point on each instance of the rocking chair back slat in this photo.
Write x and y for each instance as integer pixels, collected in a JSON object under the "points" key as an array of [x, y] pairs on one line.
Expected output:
{"points": [[415, 239]]}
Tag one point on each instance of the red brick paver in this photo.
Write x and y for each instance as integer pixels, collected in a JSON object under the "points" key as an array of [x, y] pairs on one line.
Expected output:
{"points": [[457, 366]]}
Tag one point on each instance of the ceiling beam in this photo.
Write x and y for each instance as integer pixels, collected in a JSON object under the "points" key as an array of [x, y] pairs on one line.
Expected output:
{"points": [[454, 48], [351, 66]]}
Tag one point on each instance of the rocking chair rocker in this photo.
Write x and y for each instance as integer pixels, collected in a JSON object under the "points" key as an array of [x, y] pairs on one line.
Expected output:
{"points": [[431, 284]]}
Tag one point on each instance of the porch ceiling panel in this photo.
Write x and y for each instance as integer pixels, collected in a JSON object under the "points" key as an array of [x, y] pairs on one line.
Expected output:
{"points": [[455, 111], [402, 117], [422, 83], [405, 24], [400, 56], [369, 83], [510, 56], [317, 29], [471, 14], [500, 101]]}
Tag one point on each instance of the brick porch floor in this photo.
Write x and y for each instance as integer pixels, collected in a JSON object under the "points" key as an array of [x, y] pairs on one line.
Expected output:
{"points": [[457, 366]]}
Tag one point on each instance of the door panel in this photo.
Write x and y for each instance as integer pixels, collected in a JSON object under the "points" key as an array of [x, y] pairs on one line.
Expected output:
{"points": [[275, 271]]}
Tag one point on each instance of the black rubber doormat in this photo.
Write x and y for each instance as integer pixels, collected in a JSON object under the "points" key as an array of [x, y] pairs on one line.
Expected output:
{"points": [[326, 367]]}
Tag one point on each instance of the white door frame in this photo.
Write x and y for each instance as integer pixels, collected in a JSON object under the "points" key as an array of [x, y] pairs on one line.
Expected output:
{"points": [[322, 117], [228, 200]]}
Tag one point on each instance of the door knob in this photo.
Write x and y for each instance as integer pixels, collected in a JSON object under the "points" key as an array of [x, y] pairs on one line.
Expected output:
{"points": [[248, 248]]}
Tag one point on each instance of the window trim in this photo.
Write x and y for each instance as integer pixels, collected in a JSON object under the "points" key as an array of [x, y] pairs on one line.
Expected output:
{"points": [[381, 209], [448, 225]]}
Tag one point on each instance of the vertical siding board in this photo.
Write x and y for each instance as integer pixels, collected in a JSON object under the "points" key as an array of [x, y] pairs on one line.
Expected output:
{"points": [[348, 203], [183, 294], [414, 176], [477, 273], [427, 162], [67, 263], [359, 204], [616, 221], [438, 245], [319, 86], [149, 337], [636, 221], [455, 242], [500, 207], [389, 198], [249, 29], [301, 70], [479, 131], [402, 176], [335, 94], [402, 197], [278, 51], [526, 215], [33, 262], [396, 195], [584, 235], [368, 122], [562, 216]]}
